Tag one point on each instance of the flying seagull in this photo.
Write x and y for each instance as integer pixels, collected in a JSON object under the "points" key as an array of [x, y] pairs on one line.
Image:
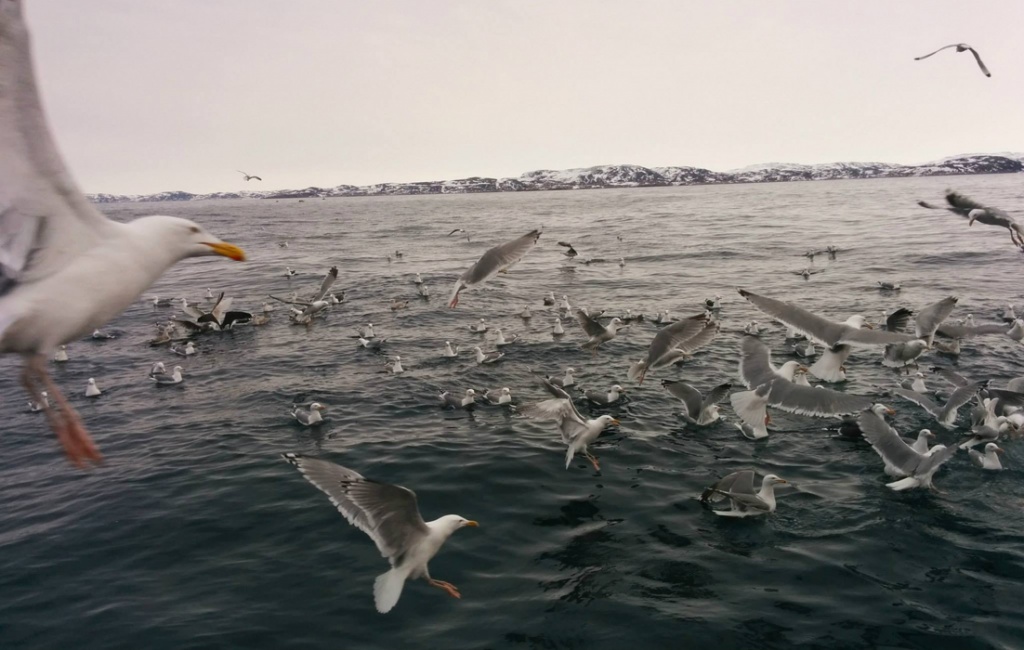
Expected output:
{"points": [[248, 177], [960, 47], [494, 261], [917, 467], [391, 517], [577, 431], [65, 269]]}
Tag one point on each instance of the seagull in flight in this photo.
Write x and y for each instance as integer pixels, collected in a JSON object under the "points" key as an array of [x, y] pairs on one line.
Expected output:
{"points": [[960, 47], [249, 177]]}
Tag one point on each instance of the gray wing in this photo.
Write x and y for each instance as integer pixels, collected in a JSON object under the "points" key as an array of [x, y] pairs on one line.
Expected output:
{"points": [[755, 362], [689, 395], [589, 325], [45, 220], [981, 65], [921, 400], [1016, 385], [326, 285], [387, 513], [962, 203], [499, 258], [672, 336], [741, 482], [888, 444], [954, 331], [811, 400], [699, 340], [918, 58], [950, 376], [717, 394], [193, 311], [818, 328], [960, 397], [937, 458], [554, 389], [562, 411], [977, 457], [929, 318], [898, 320]]}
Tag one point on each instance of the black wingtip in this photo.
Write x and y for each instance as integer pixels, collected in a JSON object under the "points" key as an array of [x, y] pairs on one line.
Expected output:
{"points": [[743, 292]]}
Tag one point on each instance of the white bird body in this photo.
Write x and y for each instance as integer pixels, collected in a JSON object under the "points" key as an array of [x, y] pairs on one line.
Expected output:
{"points": [[162, 379], [61, 355], [395, 367], [309, 416], [487, 357], [738, 488], [557, 328], [988, 460], [449, 351], [91, 389], [500, 340], [577, 431]]}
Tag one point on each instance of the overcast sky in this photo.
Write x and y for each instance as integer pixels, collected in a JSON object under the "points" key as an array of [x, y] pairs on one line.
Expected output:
{"points": [[151, 95]]}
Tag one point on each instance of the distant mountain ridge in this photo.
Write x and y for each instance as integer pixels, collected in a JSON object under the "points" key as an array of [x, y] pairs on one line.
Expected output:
{"points": [[604, 176]]}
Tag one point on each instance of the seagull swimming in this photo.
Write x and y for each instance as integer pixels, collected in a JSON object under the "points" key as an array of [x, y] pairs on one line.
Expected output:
{"points": [[65, 268], [557, 328], [310, 416], [91, 389], [61, 355], [566, 380], [605, 397], [738, 488], [449, 351], [960, 47], [494, 261], [168, 380], [504, 396], [390, 515], [484, 358], [449, 401], [989, 459]]}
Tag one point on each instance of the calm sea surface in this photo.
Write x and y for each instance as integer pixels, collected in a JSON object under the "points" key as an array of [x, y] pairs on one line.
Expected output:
{"points": [[195, 534]]}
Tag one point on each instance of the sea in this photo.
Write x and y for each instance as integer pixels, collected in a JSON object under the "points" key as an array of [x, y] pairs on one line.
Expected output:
{"points": [[194, 533]]}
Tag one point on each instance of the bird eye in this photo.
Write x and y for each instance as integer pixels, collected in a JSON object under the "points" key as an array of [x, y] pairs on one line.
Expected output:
{"points": [[194, 229]]}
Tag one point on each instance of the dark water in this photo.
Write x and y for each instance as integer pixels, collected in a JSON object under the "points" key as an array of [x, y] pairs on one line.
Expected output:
{"points": [[194, 534]]}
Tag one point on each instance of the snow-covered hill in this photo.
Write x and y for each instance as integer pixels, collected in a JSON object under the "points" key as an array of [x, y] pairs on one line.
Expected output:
{"points": [[604, 176]]}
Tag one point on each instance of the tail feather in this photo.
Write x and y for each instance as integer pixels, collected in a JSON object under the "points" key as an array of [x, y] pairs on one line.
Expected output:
{"points": [[387, 588], [904, 484], [569, 453]]}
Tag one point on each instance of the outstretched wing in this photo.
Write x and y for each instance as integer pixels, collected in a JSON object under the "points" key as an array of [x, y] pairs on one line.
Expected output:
{"points": [[387, 513], [981, 64], [499, 258], [918, 58], [325, 286]]}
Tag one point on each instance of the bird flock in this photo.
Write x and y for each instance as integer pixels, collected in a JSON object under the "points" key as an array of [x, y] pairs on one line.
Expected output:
{"points": [[66, 270]]}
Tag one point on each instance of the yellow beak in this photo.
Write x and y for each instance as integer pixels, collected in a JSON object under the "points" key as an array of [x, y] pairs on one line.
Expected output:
{"points": [[227, 250], [471, 523], [616, 422]]}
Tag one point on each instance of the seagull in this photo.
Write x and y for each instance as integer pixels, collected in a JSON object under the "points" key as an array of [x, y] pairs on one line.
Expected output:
{"points": [[917, 467], [738, 487], [308, 417], [397, 304], [577, 432], [61, 355], [186, 351], [65, 268], [41, 405], [700, 410], [371, 344], [964, 206], [417, 279], [946, 413], [390, 515], [605, 398], [91, 389], [501, 341], [526, 314], [485, 358], [249, 177], [367, 332], [597, 332], [550, 299], [885, 285], [570, 251], [988, 460], [449, 351], [461, 230], [158, 369], [422, 290], [167, 380], [395, 367], [960, 47], [162, 302], [557, 329], [290, 272], [479, 328], [494, 261], [916, 384], [449, 401], [566, 380], [673, 343], [752, 328], [564, 304], [101, 336], [713, 303], [504, 396], [622, 262], [209, 296], [771, 386]]}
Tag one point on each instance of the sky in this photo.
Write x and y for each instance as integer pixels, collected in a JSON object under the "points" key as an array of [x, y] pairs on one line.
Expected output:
{"points": [[148, 95]]}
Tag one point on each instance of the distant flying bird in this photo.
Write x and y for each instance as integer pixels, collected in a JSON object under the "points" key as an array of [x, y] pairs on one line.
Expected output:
{"points": [[960, 47], [248, 177]]}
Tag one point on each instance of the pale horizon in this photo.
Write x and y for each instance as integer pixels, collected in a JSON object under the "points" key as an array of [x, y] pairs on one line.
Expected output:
{"points": [[147, 97]]}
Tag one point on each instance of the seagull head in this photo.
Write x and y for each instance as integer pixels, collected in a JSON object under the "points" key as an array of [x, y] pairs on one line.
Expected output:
{"points": [[187, 237], [993, 448], [451, 523], [605, 420], [316, 406], [927, 433], [772, 479], [881, 410]]}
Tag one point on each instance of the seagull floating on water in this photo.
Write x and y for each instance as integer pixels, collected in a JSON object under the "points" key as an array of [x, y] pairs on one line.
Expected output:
{"points": [[738, 488], [91, 389], [308, 416]]}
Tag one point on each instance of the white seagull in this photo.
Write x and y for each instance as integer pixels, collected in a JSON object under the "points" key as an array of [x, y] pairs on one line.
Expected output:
{"points": [[65, 269], [577, 432], [390, 515]]}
